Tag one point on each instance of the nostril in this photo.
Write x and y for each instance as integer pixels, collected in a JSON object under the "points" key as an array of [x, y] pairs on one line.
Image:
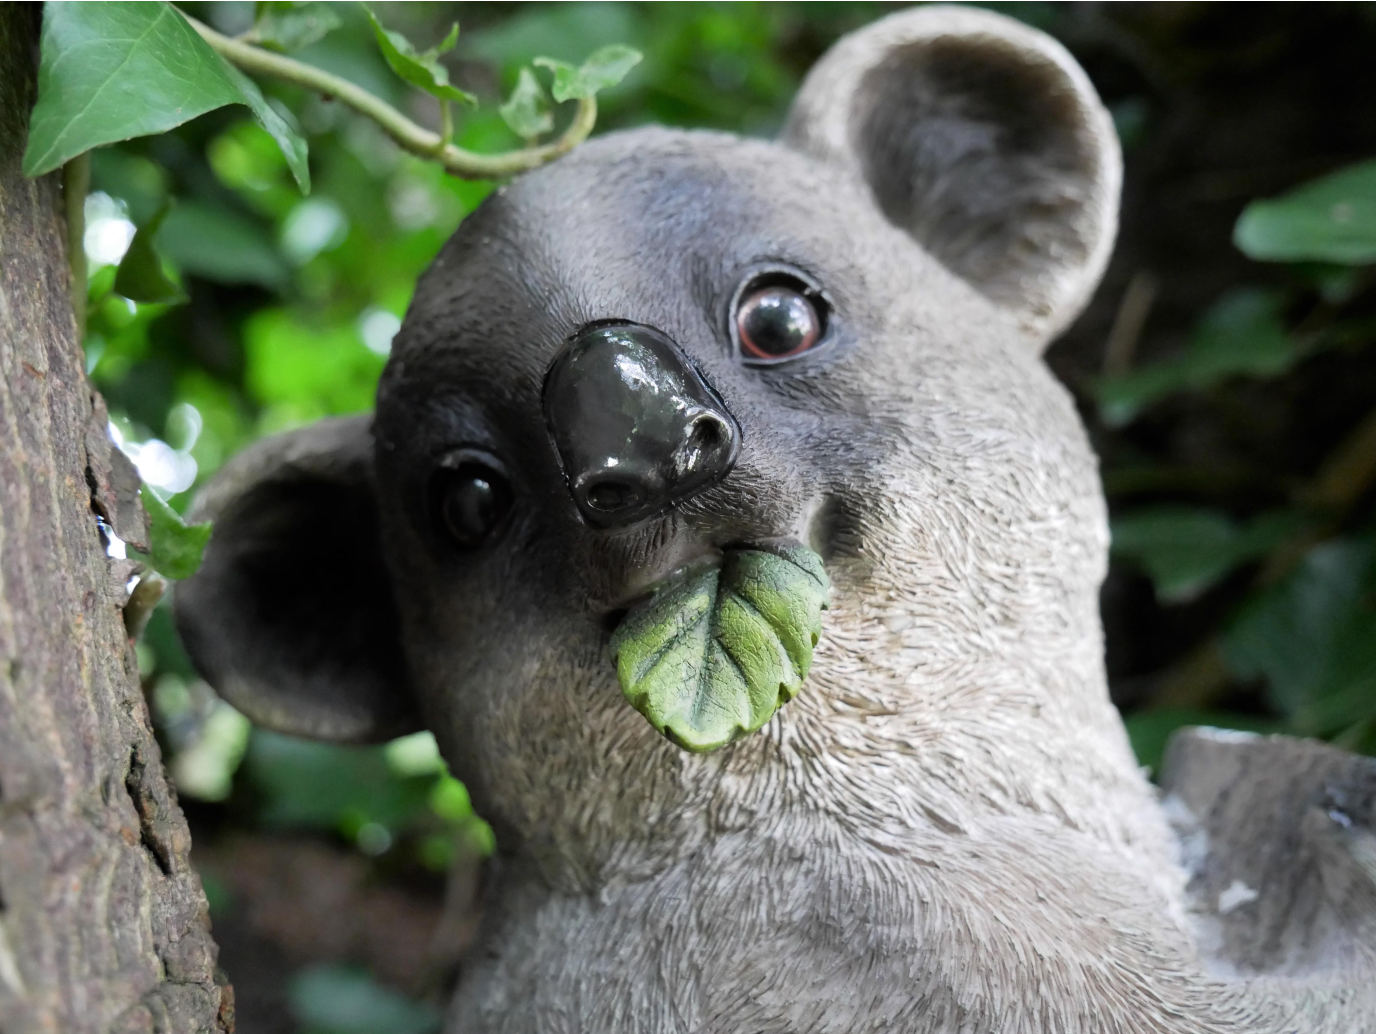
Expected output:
{"points": [[707, 433], [611, 496]]}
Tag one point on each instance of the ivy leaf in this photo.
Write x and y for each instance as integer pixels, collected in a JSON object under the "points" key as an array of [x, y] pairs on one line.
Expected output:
{"points": [[177, 547], [1186, 550], [1242, 333], [420, 69], [290, 25], [715, 652], [527, 109], [140, 276], [1313, 638], [113, 71], [604, 68], [1332, 219]]}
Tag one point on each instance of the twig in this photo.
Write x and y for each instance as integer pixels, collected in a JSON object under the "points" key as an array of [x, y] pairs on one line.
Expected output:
{"points": [[1128, 323], [414, 138]]}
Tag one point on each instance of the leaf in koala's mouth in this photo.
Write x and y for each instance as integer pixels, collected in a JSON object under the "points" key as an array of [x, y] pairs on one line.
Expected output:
{"points": [[714, 653]]}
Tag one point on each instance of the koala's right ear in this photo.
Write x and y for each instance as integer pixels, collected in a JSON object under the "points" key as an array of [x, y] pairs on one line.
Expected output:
{"points": [[984, 141], [291, 616]]}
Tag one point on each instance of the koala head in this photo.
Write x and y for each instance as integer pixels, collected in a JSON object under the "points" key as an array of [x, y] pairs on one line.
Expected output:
{"points": [[669, 343]]}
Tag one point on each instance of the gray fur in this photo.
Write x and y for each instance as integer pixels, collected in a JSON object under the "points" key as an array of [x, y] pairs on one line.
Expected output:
{"points": [[946, 831]]}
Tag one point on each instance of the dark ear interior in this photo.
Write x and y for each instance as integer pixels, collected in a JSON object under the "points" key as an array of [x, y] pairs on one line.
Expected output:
{"points": [[291, 616], [984, 141]]}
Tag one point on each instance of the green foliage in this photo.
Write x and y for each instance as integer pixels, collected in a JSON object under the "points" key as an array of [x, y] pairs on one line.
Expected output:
{"points": [[116, 70], [716, 651], [372, 796], [604, 68], [1313, 639], [177, 547], [340, 1000], [243, 251], [290, 26], [1186, 550], [293, 301], [421, 68], [527, 109], [1242, 334], [140, 276], [1332, 219]]}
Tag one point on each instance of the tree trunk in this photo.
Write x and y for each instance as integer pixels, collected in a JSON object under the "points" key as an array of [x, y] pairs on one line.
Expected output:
{"points": [[103, 924]]}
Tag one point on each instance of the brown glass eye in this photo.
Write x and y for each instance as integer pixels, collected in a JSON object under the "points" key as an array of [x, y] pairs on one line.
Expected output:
{"points": [[777, 322]]}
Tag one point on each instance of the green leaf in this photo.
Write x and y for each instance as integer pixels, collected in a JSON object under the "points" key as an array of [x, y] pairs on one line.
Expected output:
{"points": [[113, 71], [604, 68], [1313, 639], [305, 784], [221, 245], [527, 109], [715, 652], [280, 125], [1242, 334], [1186, 550], [341, 1000], [177, 546], [290, 26], [1332, 219], [140, 276], [420, 69]]}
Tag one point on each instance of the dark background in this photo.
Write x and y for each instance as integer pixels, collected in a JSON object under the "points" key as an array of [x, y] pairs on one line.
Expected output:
{"points": [[1232, 401]]}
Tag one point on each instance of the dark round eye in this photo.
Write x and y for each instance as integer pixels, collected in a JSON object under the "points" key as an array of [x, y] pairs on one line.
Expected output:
{"points": [[777, 322], [472, 500]]}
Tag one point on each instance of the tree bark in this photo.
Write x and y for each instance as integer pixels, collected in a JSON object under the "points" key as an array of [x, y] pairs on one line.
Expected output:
{"points": [[103, 923]]}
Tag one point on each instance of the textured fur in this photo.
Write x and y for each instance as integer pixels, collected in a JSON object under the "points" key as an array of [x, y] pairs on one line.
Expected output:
{"points": [[946, 831]]}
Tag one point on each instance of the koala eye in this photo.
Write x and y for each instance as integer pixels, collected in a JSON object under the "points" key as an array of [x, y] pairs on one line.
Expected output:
{"points": [[471, 500], [777, 318]]}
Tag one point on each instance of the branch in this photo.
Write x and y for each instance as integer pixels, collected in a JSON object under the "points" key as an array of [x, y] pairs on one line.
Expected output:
{"points": [[414, 138]]}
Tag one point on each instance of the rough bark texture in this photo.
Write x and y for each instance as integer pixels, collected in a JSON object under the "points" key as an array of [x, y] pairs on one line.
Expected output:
{"points": [[102, 919]]}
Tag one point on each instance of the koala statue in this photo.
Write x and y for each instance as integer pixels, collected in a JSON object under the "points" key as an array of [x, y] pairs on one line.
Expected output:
{"points": [[670, 346]]}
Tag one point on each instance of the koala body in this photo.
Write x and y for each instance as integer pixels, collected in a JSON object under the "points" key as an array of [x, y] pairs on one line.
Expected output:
{"points": [[946, 831]]}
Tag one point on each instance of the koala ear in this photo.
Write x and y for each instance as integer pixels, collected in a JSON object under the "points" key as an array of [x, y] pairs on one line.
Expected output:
{"points": [[291, 616], [985, 141]]}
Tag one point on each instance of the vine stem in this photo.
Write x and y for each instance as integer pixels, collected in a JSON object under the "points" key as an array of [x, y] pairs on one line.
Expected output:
{"points": [[76, 181], [414, 138]]}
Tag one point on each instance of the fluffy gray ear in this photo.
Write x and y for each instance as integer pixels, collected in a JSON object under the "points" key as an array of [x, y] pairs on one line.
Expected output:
{"points": [[985, 141], [291, 616]]}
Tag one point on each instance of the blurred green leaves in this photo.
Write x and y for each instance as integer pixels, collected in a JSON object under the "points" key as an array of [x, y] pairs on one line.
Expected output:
{"points": [[374, 796], [140, 276], [1241, 334], [177, 547], [1313, 639], [116, 70], [341, 1000], [1332, 219], [1186, 550], [289, 26], [1304, 629]]}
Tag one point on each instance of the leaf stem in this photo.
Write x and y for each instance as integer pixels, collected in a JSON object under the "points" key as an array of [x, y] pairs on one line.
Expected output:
{"points": [[414, 138], [446, 123]]}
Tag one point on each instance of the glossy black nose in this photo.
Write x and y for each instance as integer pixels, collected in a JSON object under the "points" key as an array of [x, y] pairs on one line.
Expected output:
{"points": [[638, 428]]}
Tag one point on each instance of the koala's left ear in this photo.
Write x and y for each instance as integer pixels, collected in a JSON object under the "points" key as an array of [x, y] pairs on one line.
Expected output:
{"points": [[291, 617], [985, 141]]}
